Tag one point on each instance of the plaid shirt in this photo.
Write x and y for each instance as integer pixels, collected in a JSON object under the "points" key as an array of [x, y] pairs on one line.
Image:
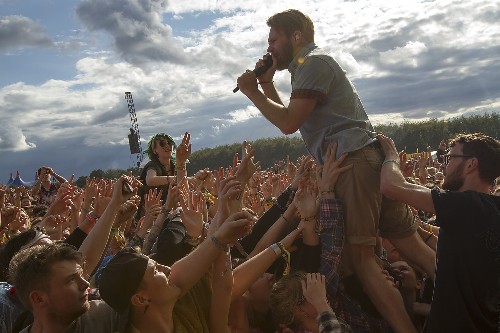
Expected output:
{"points": [[332, 243], [328, 323]]}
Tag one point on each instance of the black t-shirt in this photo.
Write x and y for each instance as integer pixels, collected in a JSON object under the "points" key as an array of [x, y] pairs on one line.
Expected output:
{"points": [[144, 189], [467, 287]]}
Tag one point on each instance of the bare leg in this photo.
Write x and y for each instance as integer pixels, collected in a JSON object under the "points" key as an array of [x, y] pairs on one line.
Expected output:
{"points": [[384, 295], [415, 249]]}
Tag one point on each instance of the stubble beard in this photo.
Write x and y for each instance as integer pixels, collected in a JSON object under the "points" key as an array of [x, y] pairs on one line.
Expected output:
{"points": [[286, 57], [454, 180]]}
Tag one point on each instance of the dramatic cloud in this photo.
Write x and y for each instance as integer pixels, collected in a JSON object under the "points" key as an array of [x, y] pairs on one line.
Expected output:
{"points": [[13, 139], [65, 106], [18, 32], [136, 26]]}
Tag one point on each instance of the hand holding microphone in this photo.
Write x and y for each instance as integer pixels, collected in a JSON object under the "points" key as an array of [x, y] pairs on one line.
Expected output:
{"points": [[268, 63]]}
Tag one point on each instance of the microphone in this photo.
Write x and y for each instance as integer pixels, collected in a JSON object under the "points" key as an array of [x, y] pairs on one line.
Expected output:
{"points": [[268, 63]]}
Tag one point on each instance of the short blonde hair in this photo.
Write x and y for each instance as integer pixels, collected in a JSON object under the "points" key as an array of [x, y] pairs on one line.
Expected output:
{"points": [[285, 296]]}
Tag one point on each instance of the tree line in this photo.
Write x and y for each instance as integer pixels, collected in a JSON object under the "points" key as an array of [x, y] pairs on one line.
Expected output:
{"points": [[411, 135]]}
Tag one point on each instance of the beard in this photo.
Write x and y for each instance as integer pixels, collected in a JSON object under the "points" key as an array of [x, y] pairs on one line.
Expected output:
{"points": [[454, 180], [285, 57]]}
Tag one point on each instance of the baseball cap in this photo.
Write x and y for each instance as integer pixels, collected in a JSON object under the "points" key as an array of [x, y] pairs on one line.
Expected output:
{"points": [[121, 277]]}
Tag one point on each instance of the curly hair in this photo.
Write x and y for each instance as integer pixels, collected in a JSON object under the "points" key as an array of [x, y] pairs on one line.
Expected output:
{"points": [[152, 143], [487, 151]]}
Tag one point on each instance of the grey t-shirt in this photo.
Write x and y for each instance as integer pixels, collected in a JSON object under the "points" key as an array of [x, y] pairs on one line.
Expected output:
{"points": [[100, 318], [339, 115]]}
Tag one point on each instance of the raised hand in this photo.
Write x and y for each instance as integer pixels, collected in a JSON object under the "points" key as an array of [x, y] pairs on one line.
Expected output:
{"points": [[388, 147], [331, 170], [153, 198], [63, 200], [9, 215], [91, 188], [183, 151], [314, 291], [103, 196], [53, 225], [192, 213], [247, 166], [306, 199], [305, 165], [235, 227], [172, 200]]}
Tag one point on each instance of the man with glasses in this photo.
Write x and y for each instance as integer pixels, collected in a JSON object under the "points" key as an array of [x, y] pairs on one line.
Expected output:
{"points": [[467, 285]]}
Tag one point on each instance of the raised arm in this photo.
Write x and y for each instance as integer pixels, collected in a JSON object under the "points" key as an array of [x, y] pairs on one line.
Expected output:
{"points": [[182, 153], [187, 271], [287, 119], [249, 271], [95, 243], [394, 186]]}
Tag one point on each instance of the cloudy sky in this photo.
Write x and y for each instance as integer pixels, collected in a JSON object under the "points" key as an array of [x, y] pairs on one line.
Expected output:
{"points": [[65, 66]]}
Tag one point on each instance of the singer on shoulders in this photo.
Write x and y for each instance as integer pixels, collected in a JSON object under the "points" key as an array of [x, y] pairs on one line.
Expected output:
{"points": [[325, 107]]}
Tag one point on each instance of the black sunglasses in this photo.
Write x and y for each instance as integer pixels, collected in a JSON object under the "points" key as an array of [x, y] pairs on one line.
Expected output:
{"points": [[164, 143]]}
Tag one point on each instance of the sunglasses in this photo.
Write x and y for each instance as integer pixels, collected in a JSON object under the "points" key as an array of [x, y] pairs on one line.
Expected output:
{"points": [[164, 143]]}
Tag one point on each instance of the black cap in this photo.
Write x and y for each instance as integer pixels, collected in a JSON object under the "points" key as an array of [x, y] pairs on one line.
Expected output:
{"points": [[121, 277]]}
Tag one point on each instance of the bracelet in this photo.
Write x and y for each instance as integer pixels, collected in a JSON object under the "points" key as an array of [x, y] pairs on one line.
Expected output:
{"points": [[91, 218], [310, 218], [164, 210], [93, 214], [285, 254], [391, 161], [180, 167], [218, 244], [276, 248], [266, 82], [326, 192], [193, 241]]}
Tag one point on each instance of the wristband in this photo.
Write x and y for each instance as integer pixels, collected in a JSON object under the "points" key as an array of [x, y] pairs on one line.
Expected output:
{"points": [[218, 244], [277, 250], [91, 217]]}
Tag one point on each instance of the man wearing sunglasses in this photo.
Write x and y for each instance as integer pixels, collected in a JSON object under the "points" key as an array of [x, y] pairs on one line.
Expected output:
{"points": [[467, 284]]}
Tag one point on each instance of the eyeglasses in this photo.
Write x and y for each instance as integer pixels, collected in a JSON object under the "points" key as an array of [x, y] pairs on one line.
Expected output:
{"points": [[447, 157]]}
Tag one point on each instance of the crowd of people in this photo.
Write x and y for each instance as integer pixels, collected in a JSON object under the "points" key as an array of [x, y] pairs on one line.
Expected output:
{"points": [[356, 237], [237, 249]]}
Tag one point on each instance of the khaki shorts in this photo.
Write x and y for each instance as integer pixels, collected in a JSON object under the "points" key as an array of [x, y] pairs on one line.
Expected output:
{"points": [[366, 211]]}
